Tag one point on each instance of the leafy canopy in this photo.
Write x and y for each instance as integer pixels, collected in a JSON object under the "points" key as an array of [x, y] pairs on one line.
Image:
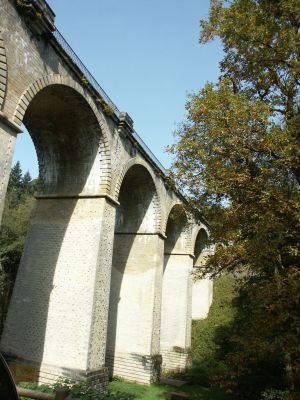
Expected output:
{"points": [[237, 158], [237, 154]]}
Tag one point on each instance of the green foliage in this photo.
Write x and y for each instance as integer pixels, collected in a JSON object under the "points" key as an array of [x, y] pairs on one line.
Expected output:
{"points": [[223, 157], [159, 391], [263, 340], [17, 210], [209, 335], [238, 156], [273, 394], [84, 81], [23, 3], [107, 109]]}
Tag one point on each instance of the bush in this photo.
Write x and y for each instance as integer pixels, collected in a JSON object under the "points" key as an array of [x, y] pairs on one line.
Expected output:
{"points": [[274, 394]]}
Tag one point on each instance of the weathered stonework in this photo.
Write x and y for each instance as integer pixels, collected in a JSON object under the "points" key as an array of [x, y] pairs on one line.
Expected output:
{"points": [[105, 278]]}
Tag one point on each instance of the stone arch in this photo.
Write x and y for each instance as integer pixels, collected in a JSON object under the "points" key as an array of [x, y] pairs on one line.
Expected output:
{"points": [[3, 71], [156, 201], [186, 232], [55, 80], [199, 243]]}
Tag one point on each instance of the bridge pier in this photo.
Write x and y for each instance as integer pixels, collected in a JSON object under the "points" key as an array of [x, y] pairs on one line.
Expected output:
{"points": [[176, 305], [176, 312], [134, 319], [135, 298], [57, 320]]}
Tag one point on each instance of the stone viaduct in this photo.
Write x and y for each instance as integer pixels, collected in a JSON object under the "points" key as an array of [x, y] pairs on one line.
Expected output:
{"points": [[105, 281]]}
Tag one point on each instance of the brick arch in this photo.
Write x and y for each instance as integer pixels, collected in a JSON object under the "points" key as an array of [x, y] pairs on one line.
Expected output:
{"points": [[56, 79], [168, 212], [199, 248], [187, 233], [199, 228], [157, 199], [3, 71]]}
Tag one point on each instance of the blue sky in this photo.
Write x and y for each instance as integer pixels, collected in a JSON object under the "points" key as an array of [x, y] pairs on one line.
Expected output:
{"points": [[146, 56]]}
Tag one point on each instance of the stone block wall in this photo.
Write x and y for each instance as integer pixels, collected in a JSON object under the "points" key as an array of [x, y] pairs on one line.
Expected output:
{"points": [[143, 369]]}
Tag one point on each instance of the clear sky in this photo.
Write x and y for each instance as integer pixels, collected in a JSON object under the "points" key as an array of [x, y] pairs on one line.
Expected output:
{"points": [[145, 54]]}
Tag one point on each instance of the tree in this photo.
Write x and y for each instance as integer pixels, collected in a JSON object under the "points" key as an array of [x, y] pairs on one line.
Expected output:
{"points": [[237, 157]]}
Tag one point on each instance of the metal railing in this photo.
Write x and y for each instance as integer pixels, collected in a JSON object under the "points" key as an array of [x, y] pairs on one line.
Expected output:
{"points": [[96, 86], [85, 72]]}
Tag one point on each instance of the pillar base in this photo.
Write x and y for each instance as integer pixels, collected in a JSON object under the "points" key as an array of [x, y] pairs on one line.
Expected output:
{"points": [[175, 359], [24, 371], [144, 369]]}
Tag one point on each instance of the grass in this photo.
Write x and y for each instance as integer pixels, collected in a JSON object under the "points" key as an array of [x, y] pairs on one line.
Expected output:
{"points": [[158, 391]]}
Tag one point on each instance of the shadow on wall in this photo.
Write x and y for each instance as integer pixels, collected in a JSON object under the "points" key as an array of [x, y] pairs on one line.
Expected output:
{"points": [[176, 225], [66, 135], [175, 284]]}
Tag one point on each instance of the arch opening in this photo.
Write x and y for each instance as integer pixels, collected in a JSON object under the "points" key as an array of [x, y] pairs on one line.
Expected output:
{"points": [[177, 225], [200, 249], [66, 135], [137, 197]]}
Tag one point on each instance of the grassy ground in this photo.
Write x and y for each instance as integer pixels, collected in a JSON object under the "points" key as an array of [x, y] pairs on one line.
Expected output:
{"points": [[158, 392]]}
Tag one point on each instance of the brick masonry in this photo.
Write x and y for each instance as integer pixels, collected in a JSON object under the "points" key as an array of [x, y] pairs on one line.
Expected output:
{"points": [[90, 287]]}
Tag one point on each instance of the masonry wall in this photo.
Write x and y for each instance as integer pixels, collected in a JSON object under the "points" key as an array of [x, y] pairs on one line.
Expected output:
{"points": [[7, 145], [202, 298], [175, 302], [52, 303], [134, 319]]}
